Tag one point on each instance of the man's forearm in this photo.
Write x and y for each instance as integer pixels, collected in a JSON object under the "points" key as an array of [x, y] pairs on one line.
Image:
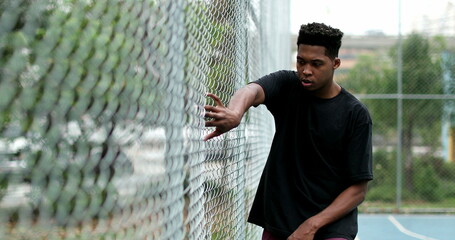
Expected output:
{"points": [[244, 98], [349, 199]]}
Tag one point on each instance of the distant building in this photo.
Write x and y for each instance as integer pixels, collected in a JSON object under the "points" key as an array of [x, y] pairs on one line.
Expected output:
{"points": [[354, 46]]}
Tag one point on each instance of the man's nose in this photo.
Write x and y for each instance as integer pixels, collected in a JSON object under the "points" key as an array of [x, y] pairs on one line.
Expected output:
{"points": [[306, 71]]}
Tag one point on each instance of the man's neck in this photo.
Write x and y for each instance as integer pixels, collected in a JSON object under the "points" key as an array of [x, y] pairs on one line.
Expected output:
{"points": [[333, 90]]}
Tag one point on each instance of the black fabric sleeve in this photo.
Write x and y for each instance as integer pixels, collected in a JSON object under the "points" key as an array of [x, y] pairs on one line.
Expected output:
{"points": [[359, 150], [275, 84]]}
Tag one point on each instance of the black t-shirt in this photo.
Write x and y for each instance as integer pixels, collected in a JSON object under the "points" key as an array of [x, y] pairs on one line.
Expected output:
{"points": [[321, 147]]}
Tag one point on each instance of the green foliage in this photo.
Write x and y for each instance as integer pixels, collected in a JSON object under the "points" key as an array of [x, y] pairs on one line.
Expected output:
{"points": [[3, 185], [219, 43], [449, 68], [385, 193], [433, 178], [444, 169], [426, 181], [447, 189], [383, 187], [421, 72], [371, 74], [58, 66], [384, 169]]}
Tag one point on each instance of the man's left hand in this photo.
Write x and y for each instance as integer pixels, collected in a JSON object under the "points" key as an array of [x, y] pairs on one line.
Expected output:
{"points": [[305, 231]]}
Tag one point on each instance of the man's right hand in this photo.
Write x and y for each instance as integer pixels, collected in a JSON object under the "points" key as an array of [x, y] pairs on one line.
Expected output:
{"points": [[221, 117]]}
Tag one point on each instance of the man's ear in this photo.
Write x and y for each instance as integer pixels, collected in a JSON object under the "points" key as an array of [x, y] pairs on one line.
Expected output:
{"points": [[336, 63]]}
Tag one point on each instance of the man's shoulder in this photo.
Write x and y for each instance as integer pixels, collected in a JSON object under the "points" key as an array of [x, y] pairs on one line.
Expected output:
{"points": [[351, 98], [353, 103], [282, 75], [278, 80]]}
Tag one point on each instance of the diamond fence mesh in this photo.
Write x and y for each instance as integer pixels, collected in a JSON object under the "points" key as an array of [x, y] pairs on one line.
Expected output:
{"points": [[101, 116], [407, 84]]}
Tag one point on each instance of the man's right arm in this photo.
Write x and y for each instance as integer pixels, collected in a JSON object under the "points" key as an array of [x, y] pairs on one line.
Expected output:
{"points": [[226, 118]]}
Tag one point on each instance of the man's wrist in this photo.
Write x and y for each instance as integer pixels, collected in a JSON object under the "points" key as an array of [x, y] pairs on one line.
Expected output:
{"points": [[315, 223]]}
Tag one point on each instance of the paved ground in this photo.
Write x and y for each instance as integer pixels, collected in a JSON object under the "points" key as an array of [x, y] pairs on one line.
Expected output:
{"points": [[406, 227]]}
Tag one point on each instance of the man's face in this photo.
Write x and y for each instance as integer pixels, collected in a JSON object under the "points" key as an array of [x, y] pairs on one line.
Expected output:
{"points": [[315, 69]]}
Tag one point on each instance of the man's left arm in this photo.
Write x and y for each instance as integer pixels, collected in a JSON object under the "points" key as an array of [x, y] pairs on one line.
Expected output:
{"points": [[349, 199]]}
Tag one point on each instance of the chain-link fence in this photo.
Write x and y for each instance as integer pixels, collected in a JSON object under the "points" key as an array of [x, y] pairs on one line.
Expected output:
{"points": [[407, 83], [101, 116]]}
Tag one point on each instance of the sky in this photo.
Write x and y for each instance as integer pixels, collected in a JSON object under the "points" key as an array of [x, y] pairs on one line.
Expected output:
{"points": [[357, 17]]}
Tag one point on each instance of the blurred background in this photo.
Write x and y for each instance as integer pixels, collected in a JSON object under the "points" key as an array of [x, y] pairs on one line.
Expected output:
{"points": [[101, 110]]}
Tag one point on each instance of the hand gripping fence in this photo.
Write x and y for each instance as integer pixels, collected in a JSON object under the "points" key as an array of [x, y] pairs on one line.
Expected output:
{"points": [[102, 119]]}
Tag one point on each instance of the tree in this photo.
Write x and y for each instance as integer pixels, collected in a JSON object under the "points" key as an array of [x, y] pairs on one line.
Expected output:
{"points": [[421, 74], [374, 74]]}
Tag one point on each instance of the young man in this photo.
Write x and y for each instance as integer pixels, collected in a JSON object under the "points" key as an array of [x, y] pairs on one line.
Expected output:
{"points": [[320, 160]]}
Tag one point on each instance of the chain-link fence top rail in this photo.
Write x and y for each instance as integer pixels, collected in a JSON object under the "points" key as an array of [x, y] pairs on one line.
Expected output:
{"points": [[101, 116]]}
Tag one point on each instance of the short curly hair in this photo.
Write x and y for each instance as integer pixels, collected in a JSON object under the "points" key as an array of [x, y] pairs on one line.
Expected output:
{"points": [[320, 34]]}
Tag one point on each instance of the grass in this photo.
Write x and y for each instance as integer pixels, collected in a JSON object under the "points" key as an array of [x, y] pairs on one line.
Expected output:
{"points": [[446, 206]]}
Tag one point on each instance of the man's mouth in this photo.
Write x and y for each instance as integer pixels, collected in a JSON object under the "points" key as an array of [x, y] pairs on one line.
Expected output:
{"points": [[306, 82]]}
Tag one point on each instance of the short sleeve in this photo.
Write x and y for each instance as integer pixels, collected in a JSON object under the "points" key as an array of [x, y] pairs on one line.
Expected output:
{"points": [[359, 149], [276, 84]]}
